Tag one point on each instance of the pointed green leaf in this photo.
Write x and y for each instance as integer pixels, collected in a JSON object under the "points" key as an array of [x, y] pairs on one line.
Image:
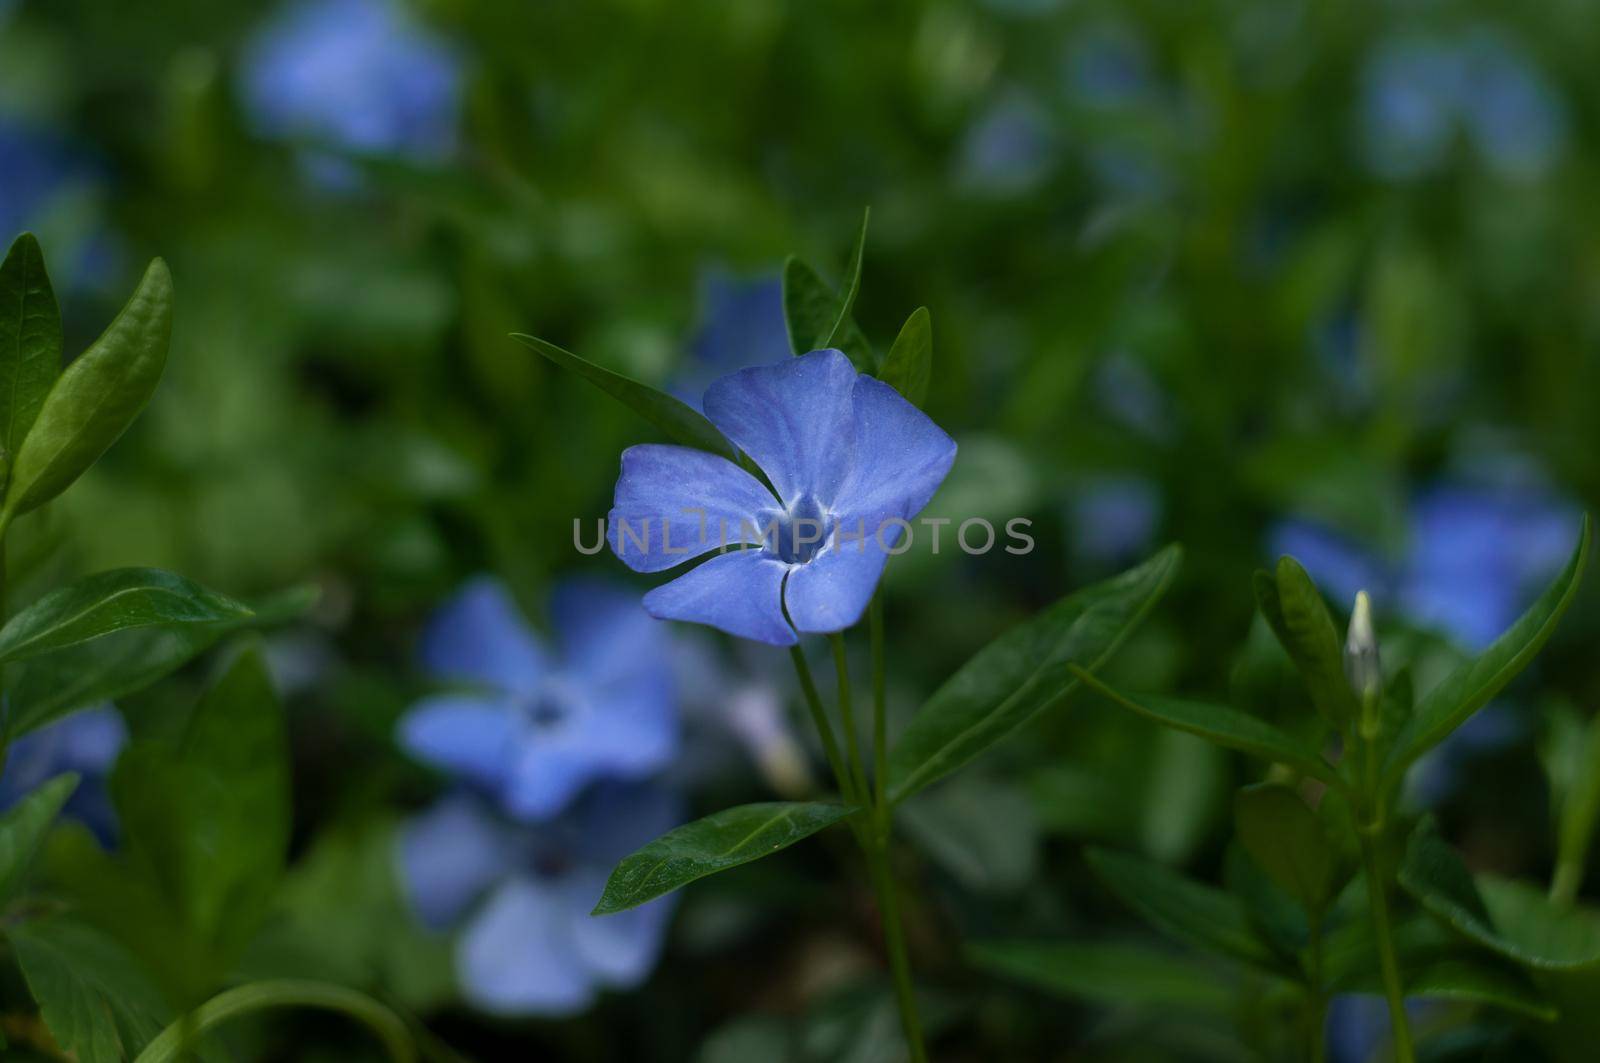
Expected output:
{"points": [[852, 287], [1226, 726], [113, 601], [1511, 918], [725, 839], [1467, 689], [30, 341], [23, 828], [1295, 611], [1201, 915], [677, 420], [96, 1000], [49, 686], [909, 364], [1024, 672], [811, 308], [1472, 978], [1113, 973], [1580, 809], [95, 400], [1286, 839]]}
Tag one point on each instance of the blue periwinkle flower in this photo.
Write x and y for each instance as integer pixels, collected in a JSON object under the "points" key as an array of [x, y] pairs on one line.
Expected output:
{"points": [[358, 75], [531, 726], [521, 895], [1009, 149], [1114, 518], [50, 185], [86, 742], [850, 461], [743, 325], [1108, 66]]}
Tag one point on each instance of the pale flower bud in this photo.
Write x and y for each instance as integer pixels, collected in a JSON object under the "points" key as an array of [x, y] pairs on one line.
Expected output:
{"points": [[1361, 665]]}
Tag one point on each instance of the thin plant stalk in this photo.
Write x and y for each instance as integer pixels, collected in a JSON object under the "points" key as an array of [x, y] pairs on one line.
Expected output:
{"points": [[847, 717], [1388, 962]]}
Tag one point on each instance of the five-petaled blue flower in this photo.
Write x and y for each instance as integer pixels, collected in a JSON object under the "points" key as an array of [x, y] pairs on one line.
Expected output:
{"points": [[86, 742], [528, 944], [531, 728], [359, 75], [849, 462]]}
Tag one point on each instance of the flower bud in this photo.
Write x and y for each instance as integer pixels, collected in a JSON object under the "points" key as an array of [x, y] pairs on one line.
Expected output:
{"points": [[1361, 665]]}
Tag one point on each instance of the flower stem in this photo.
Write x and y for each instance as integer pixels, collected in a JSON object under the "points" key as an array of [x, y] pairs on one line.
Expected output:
{"points": [[847, 717], [1387, 961], [830, 746], [880, 726], [894, 940]]}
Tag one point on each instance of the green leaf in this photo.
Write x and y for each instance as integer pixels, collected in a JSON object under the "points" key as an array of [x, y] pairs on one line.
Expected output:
{"points": [[95, 400], [1511, 918], [1467, 689], [811, 308], [1113, 973], [678, 421], [1295, 611], [842, 320], [1467, 978], [23, 827], [1188, 910], [30, 341], [982, 831], [1226, 726], [1286, 839], [726, 839], [208, 821], [1024, 672], [113, 601], [909, 364], [49, 686], [96, 1000], [1580, 808]]}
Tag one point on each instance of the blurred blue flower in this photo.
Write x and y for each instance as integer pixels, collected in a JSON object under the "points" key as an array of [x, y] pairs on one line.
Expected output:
{"points": [[87, 742], [357, 75], [1107, 66], [1420, 94], [848, 458], [1114, 518], [533, 728], [46, 185], [743, 325], [1009, 149], [521, 895], [1339, 566], [1357, 1025]]}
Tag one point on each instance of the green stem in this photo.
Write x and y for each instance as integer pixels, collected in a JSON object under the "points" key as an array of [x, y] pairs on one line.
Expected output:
{"points": [[830, 746], [1317, 998], [1388, 963], [283, 993], [894, 940], [880, 726], [847, 716]]}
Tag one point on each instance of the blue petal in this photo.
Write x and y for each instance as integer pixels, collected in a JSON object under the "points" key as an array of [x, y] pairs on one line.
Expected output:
{"points": [[830, 592], [794, 419], [480, 637], [471, 737], [448, 856], [549, 772], [615, 819], [901, 458], [675, 503], [740, 593], [619, 950], [519, 955]]}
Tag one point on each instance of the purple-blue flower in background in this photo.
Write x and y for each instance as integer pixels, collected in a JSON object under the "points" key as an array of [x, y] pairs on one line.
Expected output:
{"points": [[521, 895], [850, 460], [52, 186], [743, 325], [529, 725], [86, 742], [1114, 518], [1010, 149], [356, 75]]}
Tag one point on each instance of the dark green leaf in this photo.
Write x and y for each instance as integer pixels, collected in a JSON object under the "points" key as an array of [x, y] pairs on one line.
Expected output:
{"points": [[1024, 672], [23, 827], [1193, 912], [909, 364], [30, 341], [1579, 811], [1112, 973], [209, 820], [1472, 979], [48, 686], [95, 400], [113, 601], [810, 308], [1513, 919], [1286, 839], [1468, 688], [852, 288], [1226, 726], [678, 421], [96, 1000], [726, 839], [1295, 611], [983, 832]]}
